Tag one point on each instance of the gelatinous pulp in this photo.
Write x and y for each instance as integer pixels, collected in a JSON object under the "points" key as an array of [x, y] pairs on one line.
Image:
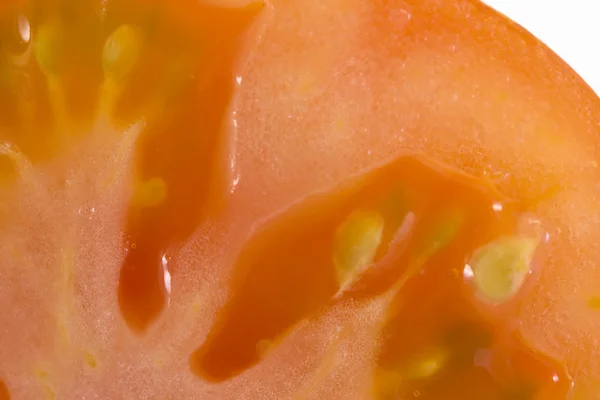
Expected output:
{"points": [[435, 334], [4, 393]]}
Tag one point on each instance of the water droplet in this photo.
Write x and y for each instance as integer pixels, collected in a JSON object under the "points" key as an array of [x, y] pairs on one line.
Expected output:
{"points": [[234, 183], [24, 29], [468, 272], [238, 79], [167, 277], [103, 6]]}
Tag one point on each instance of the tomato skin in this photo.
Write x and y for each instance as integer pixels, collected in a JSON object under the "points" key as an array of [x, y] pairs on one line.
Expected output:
{"points": [[330, 90]]}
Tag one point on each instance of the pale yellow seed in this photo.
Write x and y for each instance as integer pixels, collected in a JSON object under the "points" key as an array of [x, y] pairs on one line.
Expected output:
{"points": [[150, 193], [427, 363], [122, 51], [501, 267], [91, 360], [48, 47], [356, 242]]}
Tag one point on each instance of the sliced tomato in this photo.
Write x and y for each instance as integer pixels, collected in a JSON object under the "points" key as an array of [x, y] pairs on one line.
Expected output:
{"points": [[327, 199]]}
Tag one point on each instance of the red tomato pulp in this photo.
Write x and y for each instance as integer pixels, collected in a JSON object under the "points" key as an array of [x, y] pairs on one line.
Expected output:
{"points": [[326, 199]]}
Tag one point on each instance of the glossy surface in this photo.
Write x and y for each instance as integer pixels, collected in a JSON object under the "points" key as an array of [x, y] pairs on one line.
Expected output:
{"points": [[305, 200]]}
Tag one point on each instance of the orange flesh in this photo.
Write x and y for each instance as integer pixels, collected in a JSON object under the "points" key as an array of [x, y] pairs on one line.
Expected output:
{"points": [[267, 125]]}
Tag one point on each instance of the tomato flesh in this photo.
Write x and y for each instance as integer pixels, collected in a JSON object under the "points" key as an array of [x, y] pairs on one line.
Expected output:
{"points": [[290, 200]]}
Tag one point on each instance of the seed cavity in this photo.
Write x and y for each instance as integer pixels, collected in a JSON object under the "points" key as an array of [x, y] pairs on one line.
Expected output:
{"points": [[356, 242], [500, 268], [445, 231], [4, 393], [150, 193], [178, 75]]}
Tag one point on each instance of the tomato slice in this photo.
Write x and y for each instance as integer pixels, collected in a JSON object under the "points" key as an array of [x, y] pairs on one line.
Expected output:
{"points": [[317, 199]]}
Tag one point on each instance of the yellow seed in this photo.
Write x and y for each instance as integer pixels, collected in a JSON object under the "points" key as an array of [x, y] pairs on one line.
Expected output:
{"points": [[427, 363], [150, 193], [91, 360], [500, 267], [356, 242], [122, 51], [424, 365], [48, 47]]}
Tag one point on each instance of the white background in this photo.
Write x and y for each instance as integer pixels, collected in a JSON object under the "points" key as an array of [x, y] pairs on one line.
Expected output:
{"points": [[569, 27]]}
